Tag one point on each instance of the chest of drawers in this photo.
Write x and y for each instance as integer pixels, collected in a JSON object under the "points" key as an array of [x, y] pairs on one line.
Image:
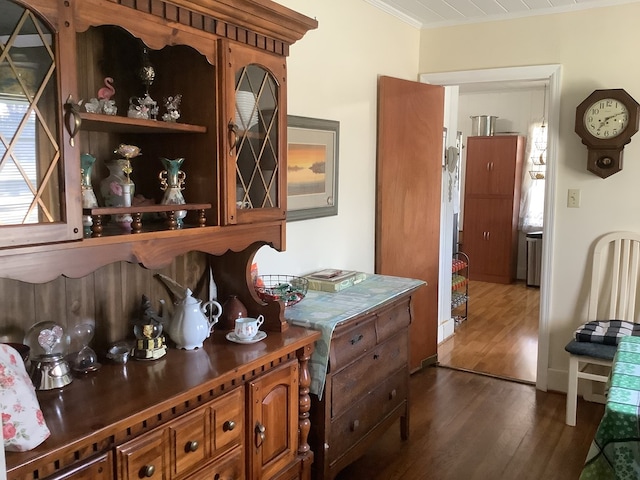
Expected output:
{"points": [[366, 389]]}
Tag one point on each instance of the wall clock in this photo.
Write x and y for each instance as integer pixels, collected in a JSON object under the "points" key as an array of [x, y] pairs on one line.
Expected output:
{"points": [[606, 120]]}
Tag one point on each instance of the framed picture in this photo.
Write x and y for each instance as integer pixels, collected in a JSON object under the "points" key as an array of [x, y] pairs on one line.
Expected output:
{"points": [[312, 167]]}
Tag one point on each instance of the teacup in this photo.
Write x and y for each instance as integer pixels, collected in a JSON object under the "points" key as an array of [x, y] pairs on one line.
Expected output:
{"points": [[247, 328]]}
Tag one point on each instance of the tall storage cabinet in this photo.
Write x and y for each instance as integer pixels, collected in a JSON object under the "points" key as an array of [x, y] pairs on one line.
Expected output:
{"points": [[491, 206]]}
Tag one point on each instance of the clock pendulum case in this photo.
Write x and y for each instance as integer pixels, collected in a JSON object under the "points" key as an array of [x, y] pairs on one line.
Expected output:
{"points": [[606, 120]]}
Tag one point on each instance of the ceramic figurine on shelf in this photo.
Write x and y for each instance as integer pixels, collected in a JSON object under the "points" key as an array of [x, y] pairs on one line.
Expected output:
{"points": [[172, 183], [172, 104], [137, 108], [104, 103]]}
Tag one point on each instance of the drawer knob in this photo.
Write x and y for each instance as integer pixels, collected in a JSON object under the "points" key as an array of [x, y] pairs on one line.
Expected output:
{"points": [[356, 339], [148, 471], [192, 446], [354, 425], [228, 425], [393, 394]]}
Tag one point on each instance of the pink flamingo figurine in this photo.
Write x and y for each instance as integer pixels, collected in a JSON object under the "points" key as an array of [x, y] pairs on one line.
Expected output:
{"points": [[106, 92]]}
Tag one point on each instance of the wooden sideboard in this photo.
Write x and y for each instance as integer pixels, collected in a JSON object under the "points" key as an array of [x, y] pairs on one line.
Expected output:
{"points": [[366, 388], [223, 411]]}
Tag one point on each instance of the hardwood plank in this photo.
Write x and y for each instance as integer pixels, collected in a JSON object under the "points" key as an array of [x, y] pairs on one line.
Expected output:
{"points": [[500, 335], [477, 427]]}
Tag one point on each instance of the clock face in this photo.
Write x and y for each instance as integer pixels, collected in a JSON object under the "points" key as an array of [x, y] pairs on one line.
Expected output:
{"points": [[606, 118]]}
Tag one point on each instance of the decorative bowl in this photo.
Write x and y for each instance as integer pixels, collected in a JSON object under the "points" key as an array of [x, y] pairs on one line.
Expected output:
{"points": [[287, 288]]}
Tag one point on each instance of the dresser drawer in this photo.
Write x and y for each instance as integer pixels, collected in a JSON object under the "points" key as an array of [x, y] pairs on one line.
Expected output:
{"points": [[228, 467], [352, 343], [361, 377], [228, 421], [144, 457], [392, 319], [188, 440], [369, 411]]}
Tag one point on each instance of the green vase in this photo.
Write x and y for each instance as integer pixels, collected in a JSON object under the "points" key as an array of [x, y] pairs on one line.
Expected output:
{"points": [[172, 183]]}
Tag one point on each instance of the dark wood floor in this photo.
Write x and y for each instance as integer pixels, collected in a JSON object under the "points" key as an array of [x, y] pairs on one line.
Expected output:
{"points": [[500, 335], [466, 426]]}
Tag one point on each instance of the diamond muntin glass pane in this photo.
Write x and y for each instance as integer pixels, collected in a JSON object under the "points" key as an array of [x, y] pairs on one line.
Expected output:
{"points": [[30, 162], [257, 155]]}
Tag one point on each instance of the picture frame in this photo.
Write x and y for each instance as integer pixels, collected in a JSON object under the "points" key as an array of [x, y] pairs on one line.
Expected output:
{"points": [[312, 167]]}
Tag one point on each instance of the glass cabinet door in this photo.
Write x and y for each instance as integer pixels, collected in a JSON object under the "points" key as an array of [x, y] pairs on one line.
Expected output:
{"points": [[255, 169], [33, 191]]}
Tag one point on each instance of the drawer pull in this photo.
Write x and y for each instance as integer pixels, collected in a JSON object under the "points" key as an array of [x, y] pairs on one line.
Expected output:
{"points": [[376, 356], [148, 471], [356, 339], [260, 434], [228, 425], [393, 394], [354, 425], [192, 446]]}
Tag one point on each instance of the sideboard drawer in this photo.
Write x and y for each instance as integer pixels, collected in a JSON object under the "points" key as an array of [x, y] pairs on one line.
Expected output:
{"points": [[367, 413], [144, 457], [394, 318], [189, 443], [369, 371], [228, 467], [350, 344], [228, 421]]}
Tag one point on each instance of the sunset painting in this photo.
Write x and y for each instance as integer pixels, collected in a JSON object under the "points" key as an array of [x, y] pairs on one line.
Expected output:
{"points": [[306, 169]]}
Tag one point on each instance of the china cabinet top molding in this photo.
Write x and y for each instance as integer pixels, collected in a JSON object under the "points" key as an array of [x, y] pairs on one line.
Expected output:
{"points": [[261, 24]]}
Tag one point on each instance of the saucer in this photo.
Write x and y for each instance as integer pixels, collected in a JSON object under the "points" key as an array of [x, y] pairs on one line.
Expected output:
{"points": [[232, 337]]}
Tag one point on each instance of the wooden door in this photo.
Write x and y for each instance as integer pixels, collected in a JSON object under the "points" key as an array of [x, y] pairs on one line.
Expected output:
{"points": [[409, 179]]}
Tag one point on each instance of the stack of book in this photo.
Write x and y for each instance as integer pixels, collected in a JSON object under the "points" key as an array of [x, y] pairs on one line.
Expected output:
{"points": [[334, 280]]}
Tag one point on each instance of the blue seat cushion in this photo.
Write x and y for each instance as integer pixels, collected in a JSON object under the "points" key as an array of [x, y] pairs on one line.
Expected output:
{"points": [[596, 350]]}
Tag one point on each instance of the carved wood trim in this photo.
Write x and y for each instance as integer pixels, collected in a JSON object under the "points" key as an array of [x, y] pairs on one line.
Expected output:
{"points": [[265, 24]]}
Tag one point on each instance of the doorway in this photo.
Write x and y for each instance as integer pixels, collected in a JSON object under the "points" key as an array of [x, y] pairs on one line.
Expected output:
{"points": [[550, 74]]}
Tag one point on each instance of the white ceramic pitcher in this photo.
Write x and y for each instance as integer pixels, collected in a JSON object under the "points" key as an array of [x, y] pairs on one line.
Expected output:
{"points": [[189, 326]]}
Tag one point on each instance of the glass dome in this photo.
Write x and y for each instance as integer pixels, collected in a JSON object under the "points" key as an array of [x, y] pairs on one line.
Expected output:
{"points": [[46, 338]]}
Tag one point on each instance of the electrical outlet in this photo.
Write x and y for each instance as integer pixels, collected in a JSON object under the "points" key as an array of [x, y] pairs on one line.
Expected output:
{"points": [[573, 198]]}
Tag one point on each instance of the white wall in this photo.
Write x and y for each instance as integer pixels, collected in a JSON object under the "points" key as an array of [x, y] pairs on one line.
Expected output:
{"points": [[607, 205], [332, 74]]}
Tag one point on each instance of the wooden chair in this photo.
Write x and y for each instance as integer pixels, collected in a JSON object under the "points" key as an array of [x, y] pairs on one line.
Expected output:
{"points": [[613, 296]]}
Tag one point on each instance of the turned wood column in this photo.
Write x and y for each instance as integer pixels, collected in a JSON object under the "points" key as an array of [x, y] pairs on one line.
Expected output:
{"points": [[304, 354]]}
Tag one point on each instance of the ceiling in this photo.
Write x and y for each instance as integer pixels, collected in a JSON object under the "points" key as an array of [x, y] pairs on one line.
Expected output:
{"points": [[441, 13]]}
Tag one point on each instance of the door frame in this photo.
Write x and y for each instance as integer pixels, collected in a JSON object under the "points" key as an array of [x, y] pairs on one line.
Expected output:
{"points": [[552, 74]]}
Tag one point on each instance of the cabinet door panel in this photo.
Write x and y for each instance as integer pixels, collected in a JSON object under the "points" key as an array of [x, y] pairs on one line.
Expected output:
{"points": [[488, 238], [492, 165], [38, 192], [272, 437], [254, 138]]}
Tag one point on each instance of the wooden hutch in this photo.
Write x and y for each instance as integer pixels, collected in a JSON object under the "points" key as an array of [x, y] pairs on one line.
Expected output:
{"points": [[224, 411]]}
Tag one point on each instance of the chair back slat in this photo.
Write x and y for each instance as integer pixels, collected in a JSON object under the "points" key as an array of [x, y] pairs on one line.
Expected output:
{"points": [[614, 285]]}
